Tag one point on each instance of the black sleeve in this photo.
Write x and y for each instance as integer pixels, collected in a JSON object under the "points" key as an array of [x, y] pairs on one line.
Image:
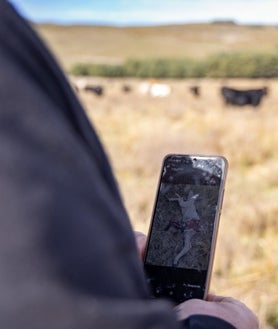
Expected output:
{"points": [[205, 322], [53, 164]]}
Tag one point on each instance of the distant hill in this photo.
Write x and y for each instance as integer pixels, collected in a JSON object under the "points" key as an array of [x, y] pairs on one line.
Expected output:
{"points": [[107, 44]]}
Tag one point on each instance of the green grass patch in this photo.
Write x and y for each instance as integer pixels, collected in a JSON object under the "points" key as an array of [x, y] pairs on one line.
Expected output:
{"points": [[272, 319], [224, 65]]}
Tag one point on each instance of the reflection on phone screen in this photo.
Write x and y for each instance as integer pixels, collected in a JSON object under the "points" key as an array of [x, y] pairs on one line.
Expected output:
{"points": [[179, 246]]}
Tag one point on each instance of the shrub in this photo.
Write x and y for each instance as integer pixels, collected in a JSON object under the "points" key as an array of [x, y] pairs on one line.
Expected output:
{"points": [[242, 65], [272, 319], [226, 65]]}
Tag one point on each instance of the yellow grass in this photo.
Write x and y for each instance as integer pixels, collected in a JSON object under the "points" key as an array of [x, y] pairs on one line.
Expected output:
{"points": [[138, 131], [102, 44]]}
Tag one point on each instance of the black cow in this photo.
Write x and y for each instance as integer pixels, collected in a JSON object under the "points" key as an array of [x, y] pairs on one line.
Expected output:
{"points": [[98, 90], [195, 90], [126, 88], [236, 97]]}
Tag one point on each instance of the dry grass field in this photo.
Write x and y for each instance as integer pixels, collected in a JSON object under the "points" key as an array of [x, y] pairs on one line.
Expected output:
{"points": [[104, 44], [138, 131]]}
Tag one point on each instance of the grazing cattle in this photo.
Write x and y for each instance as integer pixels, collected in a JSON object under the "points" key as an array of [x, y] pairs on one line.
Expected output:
{"points": [[155, 89], [126, 88], [160, 90], [98, 90], [236, 97], [82, 85], [195, 90]]}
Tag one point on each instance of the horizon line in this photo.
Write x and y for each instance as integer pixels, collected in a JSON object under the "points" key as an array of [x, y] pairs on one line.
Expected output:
{"points": [[152, 24]]}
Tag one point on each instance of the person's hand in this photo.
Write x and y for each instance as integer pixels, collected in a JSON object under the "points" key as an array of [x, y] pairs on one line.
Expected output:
{"points": [[141, 240], [226, 308]]}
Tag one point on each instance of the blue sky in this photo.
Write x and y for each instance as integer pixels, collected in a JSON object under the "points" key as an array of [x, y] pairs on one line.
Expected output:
{"points": [[148, 12]]}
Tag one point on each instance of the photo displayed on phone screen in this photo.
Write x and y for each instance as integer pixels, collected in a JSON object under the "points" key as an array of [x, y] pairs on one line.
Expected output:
{"points": [[181, 242]]}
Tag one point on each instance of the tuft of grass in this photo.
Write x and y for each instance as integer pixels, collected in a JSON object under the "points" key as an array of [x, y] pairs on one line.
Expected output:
{"points": [[272, 319]]}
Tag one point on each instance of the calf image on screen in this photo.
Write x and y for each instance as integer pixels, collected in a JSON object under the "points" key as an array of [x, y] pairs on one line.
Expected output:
{"points": [[182, 233]]}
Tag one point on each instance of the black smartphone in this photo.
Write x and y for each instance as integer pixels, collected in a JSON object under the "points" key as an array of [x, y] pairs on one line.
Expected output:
{"points": [[182, 236]]}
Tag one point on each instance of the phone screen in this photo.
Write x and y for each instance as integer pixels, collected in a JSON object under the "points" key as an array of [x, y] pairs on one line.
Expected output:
{"points": [[182, 235]]}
